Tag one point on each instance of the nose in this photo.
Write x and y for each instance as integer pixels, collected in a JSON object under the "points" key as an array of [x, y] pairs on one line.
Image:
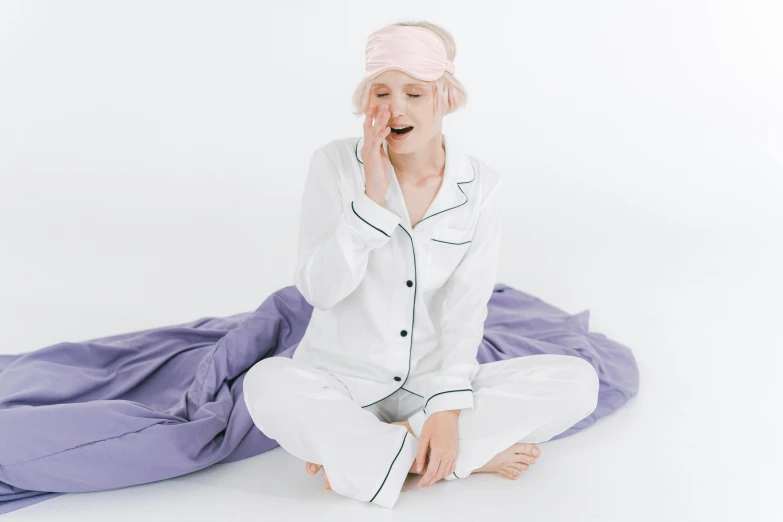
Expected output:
{"points": [[397, 106], [396, 113]]}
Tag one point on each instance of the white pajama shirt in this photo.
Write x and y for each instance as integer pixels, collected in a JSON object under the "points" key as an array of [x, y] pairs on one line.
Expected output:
{"points": [[398, 316], [397, 307]]}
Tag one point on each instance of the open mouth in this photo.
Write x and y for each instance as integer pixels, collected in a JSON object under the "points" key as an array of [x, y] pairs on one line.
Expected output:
{"points": [[402, 131]]}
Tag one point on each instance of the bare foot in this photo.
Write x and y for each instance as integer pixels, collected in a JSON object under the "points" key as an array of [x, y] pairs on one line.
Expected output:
{"points": [[312, 469], [511, 462]]}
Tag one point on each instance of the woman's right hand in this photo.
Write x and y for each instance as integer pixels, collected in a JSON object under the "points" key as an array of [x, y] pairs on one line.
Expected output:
{"points": [[377, 167]]}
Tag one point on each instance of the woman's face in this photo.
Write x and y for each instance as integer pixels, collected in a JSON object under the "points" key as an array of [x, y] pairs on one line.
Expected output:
{"points": [[411, 102]]}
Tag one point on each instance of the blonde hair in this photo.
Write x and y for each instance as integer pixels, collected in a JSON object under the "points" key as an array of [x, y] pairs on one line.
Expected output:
{"points": [[450, 94]]}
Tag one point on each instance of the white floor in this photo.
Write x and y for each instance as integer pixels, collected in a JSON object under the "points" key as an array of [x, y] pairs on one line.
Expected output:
{"points": [[697, 443]]}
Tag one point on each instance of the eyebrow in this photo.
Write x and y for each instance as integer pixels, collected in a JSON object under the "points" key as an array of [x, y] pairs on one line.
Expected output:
{"points": [[406, 85]]}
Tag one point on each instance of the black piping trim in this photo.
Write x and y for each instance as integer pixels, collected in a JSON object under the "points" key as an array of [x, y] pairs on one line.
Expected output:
{"points": [[450, 243], [356, 153], [441, 393], [390, 467], [451, 208], [413, 320], [415, 275], [373, 226]]}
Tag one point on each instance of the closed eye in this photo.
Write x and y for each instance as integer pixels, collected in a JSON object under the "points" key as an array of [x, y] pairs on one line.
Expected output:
{"points": [[411, 95]]}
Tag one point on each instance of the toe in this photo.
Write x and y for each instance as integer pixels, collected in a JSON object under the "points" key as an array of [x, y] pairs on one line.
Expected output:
{"points": [[510, 473], [528, 449], [525, 447], [522, 457], [518, 466], [535, 450]]}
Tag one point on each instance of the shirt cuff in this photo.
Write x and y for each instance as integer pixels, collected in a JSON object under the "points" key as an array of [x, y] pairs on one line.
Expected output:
{"points": [[448, 392], [374, 222], [450, 400]]}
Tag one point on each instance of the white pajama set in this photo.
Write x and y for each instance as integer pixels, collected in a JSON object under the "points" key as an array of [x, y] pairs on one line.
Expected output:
{"points": [[398, 317]]}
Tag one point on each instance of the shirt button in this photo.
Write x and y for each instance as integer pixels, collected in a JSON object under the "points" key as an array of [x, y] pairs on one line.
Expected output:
{"points": [[404, 333], [397, 379], [409, 283]]}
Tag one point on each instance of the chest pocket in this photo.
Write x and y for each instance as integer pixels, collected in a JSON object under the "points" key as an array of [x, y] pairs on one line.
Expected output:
{"points": [[447, 248]]}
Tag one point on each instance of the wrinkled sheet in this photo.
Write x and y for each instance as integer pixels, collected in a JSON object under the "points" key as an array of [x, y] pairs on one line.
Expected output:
{"points": [[159, 403]]}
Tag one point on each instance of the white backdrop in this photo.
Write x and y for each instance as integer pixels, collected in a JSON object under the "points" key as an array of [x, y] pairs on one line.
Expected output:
{"points": [[153, 154]]}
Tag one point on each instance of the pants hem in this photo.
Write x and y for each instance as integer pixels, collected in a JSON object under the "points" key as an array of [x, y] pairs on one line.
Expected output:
{"points": [[392, 485]]}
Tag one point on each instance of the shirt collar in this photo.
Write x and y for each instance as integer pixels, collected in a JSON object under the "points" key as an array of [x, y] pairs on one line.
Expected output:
{"points": [[458, 170]]}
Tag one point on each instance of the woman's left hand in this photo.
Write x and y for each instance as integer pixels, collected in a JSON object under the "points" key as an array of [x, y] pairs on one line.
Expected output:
{"points": [[440, 434]]}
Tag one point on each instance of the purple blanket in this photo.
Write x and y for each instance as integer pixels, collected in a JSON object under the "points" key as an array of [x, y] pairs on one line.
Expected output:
{"points": [[154, 404]]}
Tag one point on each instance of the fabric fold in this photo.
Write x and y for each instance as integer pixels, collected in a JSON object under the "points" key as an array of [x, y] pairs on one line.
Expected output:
{"points": [[154, 404]]}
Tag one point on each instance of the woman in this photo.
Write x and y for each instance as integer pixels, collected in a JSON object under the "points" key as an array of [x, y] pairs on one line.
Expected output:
{"points": [[398, 253]]}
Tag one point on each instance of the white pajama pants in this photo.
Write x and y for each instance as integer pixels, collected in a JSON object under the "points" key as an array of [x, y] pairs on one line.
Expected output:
{"points": [[312, 416]]}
